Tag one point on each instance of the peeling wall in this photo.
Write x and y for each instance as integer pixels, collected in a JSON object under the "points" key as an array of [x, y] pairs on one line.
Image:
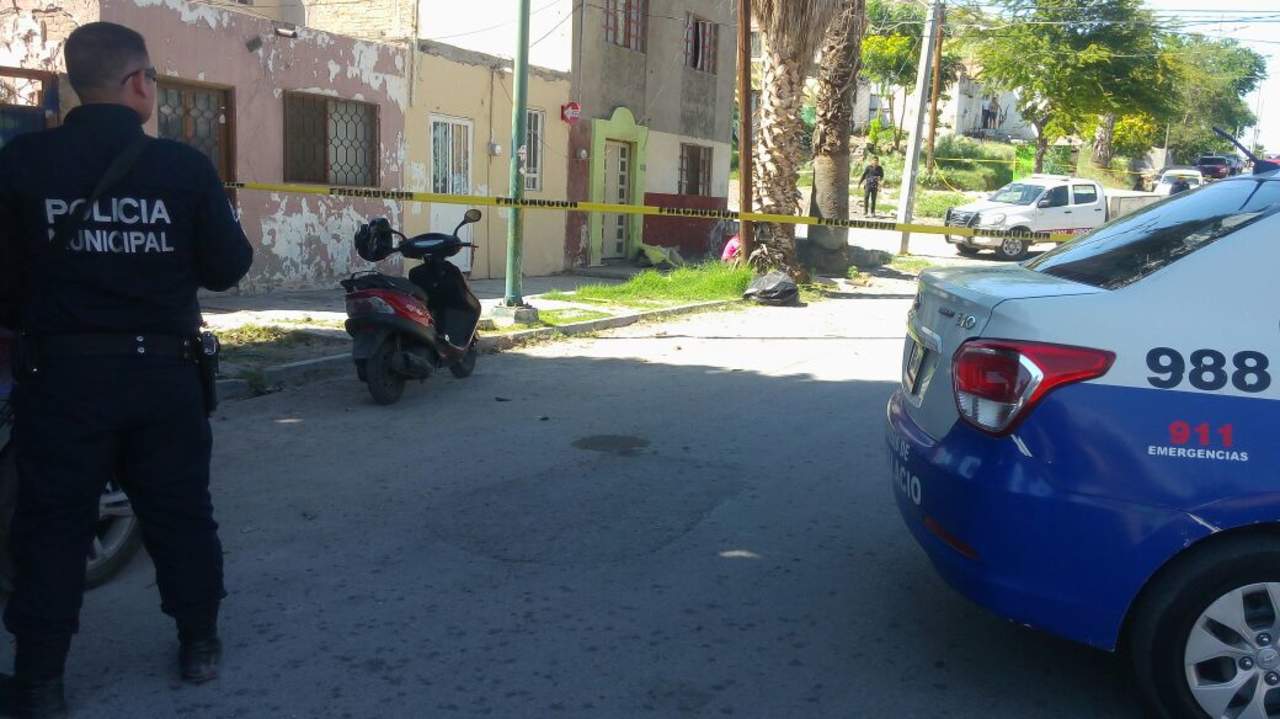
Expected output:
{"points": [[301, 240]]}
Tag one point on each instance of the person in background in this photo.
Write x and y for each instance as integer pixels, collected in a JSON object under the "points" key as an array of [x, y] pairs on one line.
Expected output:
{"points": [[872, 176]]}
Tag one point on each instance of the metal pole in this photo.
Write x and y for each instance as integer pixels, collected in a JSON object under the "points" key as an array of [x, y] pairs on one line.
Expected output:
{"points": [[912, 167], [745, 231], [519, 153], [937, 90]]}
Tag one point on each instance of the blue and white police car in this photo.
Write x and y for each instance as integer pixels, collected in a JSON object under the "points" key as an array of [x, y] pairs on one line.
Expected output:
{"points": [[1089, 443]]}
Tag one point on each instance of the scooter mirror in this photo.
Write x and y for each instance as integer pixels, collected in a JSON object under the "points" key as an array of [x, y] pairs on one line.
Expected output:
{"points": [[473, 215]]}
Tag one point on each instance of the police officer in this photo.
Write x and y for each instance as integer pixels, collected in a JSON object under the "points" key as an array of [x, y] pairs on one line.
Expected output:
{"points": [[104, 294]]}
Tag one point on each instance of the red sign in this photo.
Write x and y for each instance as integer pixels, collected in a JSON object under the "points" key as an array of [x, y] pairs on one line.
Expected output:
{"points": [[571, 113]]}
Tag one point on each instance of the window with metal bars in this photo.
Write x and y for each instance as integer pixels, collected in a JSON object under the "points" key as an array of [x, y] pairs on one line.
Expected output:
{"points": [[537, 120], [695, 170], [701, 37], [199, 116], [330, 141], [626, 23]]}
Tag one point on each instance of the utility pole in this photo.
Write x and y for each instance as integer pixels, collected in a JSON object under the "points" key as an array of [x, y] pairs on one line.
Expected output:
{"points": [[745, 230], [937, 88], [519, 153], [908, 195]]}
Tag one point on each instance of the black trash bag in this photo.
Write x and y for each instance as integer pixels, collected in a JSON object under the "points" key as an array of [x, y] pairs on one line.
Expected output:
{"points": [[774, 288]]}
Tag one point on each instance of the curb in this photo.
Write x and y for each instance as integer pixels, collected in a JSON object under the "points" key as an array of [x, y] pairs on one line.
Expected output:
{"points": [[296, 373], [497, 343]]}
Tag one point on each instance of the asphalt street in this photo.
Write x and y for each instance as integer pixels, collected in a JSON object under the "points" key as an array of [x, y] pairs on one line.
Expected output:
{"points": [[681, 519]]}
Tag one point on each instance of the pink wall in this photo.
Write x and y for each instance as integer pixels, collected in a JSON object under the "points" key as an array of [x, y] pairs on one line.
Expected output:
{"points": [[301, 240]]}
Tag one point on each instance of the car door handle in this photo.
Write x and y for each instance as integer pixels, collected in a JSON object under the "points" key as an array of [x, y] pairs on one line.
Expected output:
{"points": [[1066, 212]]}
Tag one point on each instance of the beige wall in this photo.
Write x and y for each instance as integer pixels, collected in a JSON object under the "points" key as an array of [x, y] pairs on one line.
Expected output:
{"points": [[664, 163], [477, 87]]}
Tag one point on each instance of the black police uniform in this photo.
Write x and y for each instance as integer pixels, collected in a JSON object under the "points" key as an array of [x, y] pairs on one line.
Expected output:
{"points": [[113, 391]]}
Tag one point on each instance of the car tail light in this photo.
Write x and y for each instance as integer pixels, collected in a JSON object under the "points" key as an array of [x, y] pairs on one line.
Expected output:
{"points": [[997, 381], [368, 305]]}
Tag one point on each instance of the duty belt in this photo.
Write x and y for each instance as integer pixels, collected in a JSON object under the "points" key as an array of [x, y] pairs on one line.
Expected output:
{"points": [[99, 345]]}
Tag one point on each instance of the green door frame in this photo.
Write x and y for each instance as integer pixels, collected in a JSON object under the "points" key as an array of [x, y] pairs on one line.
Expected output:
{"points": [[621, 127]]}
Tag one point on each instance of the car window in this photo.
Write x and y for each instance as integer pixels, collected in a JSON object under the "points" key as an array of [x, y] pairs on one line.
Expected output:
{"points": [[1017, 194], [1057, 197], [1213, 161], [1125, 251], [1085, 194]]}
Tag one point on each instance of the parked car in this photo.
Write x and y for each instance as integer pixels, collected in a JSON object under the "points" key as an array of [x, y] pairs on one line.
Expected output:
{"points": [[1191, 175], [1039, 203], [1214, 167], [1085, 444]]}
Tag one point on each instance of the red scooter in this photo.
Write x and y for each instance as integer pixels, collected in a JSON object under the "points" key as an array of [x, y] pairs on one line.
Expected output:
{"points": [[409, 328]]}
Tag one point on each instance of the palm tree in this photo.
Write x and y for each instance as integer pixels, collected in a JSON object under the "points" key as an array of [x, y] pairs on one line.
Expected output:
{"points": [[790, 31], [837, 85]]}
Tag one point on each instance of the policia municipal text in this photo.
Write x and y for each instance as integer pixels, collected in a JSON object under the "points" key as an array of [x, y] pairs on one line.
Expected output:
{"points": [[105, 237]]}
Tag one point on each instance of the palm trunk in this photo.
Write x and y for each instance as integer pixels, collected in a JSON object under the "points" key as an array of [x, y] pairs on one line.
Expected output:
{"points": [[776, 161], [1103, 147], [837, 85]]}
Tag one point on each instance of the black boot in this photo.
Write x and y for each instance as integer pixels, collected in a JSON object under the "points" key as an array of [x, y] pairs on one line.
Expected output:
{"points": [[201, 650], [32, 699], [199, 659]]}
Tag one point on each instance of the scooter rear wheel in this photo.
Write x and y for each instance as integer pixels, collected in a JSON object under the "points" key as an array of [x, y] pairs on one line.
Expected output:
{"points": [[465, 366], [385, 384]]}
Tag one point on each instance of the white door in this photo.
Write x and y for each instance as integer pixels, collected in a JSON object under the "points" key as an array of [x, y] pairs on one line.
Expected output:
{"points": [[1053, 210], [1087, 210], [617, 189], [451, 174]]}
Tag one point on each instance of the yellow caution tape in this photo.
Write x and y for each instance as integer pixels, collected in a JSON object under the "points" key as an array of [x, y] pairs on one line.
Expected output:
{"points": [[605, 207]]}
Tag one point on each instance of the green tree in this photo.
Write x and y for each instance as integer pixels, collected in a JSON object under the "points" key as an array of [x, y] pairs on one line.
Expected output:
{"points": [[1070, 58], [1211, 79], [891, 53]]}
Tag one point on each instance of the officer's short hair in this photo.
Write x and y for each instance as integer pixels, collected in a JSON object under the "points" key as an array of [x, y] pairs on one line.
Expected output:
{"points": [[100, 54]]}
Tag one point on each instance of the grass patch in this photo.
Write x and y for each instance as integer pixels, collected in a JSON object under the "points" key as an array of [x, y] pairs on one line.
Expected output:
{"points": [[707, 282], [249, 335], [266, 345], [935, 204], [909, 264], [310, 321], [559, 318]]}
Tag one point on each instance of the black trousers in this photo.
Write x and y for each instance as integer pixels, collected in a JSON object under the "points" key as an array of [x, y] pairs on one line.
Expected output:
{"points": [[80, 421], [869, 199]]}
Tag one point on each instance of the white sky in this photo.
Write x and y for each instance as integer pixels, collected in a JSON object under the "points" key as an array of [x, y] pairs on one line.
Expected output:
{"points": [[1238, 19], [490, 26]]}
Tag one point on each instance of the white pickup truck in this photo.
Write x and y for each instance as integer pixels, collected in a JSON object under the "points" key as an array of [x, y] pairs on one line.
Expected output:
{"points": [[1039, 203]]}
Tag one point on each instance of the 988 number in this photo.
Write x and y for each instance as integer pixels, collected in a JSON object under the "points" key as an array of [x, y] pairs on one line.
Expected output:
{"points": [[1208, 370]]}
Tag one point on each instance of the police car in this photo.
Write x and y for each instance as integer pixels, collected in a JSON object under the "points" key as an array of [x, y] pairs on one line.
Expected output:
{"points": [[1089, 443]]}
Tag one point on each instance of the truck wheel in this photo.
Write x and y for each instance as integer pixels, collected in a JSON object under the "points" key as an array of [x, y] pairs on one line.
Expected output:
{"points": [[967, 250], [385, 384], [1203, 637], [1012, 248]]}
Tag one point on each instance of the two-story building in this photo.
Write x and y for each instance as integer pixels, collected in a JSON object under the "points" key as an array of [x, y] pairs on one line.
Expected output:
{"points": [[654, 81]]}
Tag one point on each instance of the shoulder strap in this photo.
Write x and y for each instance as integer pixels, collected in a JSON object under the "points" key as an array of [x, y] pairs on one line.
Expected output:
{"points": [[116, 171]]}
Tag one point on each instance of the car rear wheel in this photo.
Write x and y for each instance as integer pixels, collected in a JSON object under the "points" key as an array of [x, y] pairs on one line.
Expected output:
{"points": [[1205, 638]]}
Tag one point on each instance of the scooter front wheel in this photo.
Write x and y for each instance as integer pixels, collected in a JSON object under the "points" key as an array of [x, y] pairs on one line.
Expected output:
{"points": [[465, 366], [385, 384]]}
